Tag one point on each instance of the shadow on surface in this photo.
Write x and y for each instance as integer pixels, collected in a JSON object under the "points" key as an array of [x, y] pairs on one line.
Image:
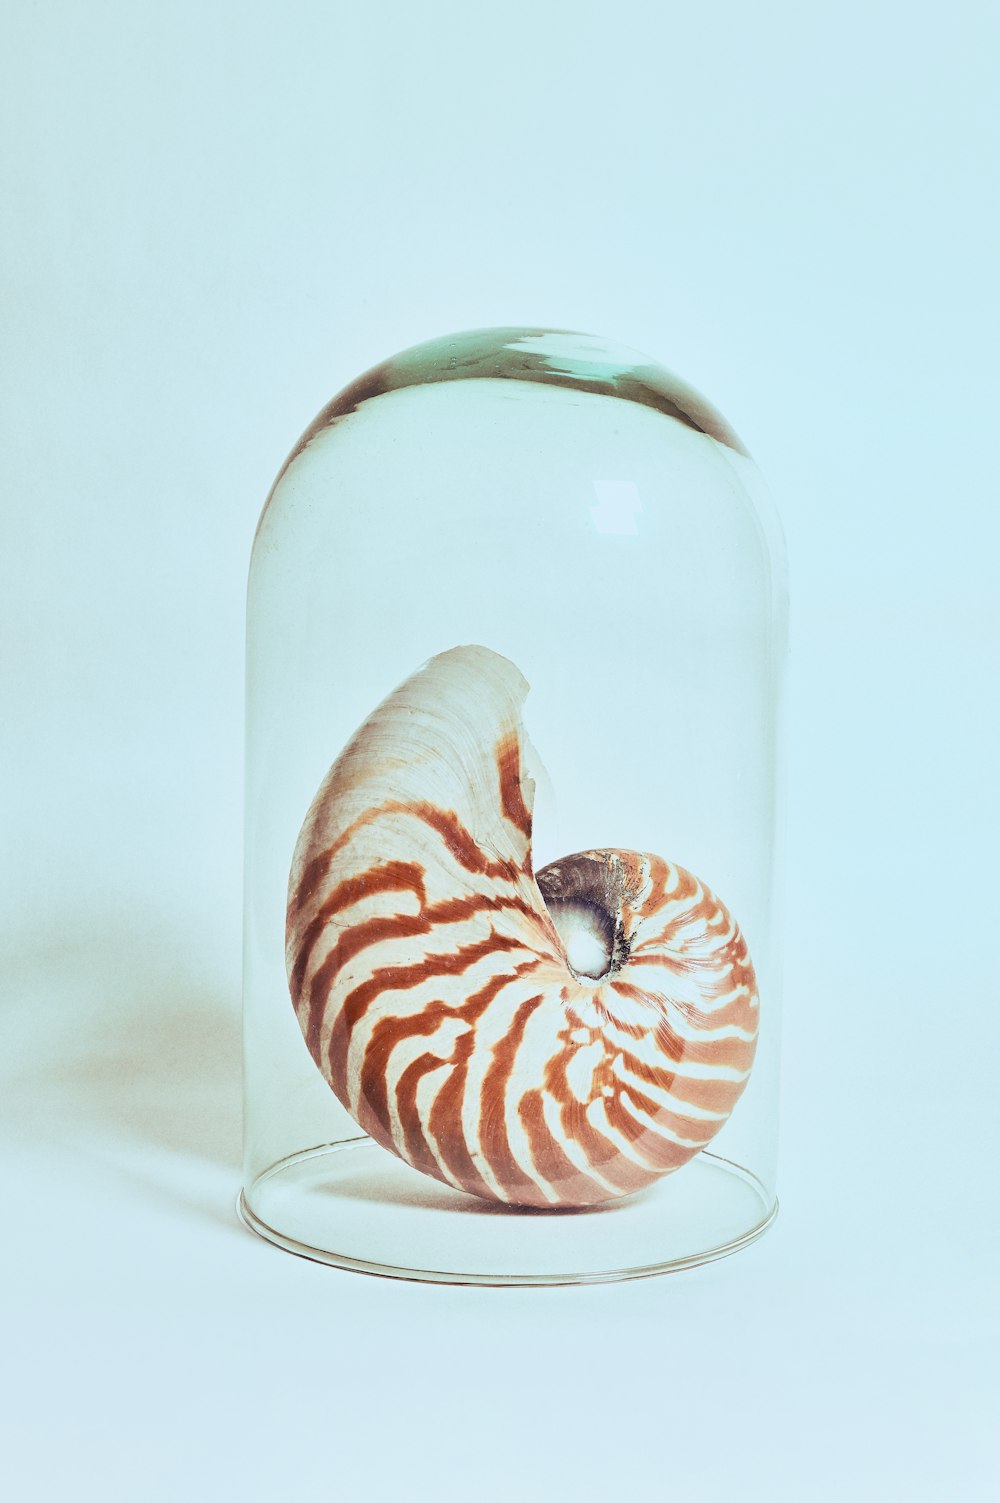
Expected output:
{"points": [[119, 1040], [384, 1181]]}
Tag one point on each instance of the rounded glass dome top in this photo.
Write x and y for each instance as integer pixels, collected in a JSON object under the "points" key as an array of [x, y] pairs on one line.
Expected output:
{"points": [[516, 623]]}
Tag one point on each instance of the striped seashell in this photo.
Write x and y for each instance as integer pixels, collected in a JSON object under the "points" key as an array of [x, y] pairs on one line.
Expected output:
{"points": [[552, 1040]]}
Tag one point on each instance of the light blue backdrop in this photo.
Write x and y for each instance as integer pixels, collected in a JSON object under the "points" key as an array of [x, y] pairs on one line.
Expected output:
{"points": [[216, 215]]}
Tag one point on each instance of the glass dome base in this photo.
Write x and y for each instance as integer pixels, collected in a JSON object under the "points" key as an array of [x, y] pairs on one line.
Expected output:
{"points": [[354, 1206]]}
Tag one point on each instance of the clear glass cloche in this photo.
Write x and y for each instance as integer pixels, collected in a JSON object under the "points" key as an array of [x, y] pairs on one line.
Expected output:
{"points": [[516, 624]]}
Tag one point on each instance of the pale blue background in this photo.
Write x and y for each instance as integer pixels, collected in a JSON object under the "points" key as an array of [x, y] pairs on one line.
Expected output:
{"points": [[217, 214]]}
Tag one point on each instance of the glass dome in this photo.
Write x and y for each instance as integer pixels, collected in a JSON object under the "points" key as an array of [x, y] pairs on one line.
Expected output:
{"points": [[516, 623]]}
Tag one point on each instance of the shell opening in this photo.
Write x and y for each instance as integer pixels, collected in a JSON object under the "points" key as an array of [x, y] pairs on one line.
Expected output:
{"points": [[584, 895], [587, 933]]}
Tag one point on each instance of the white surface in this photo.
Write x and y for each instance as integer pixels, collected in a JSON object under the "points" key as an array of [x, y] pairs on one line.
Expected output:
{"points": [[221, 214]]}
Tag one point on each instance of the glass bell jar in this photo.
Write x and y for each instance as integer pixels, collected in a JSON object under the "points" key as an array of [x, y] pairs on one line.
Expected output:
{"points": [[516, 623]]}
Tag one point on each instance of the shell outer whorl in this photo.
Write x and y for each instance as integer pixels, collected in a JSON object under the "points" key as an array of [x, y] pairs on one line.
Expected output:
{"points": [[435, 992]]}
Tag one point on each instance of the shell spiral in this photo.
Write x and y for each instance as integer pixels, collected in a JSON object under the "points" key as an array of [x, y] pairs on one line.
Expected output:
{"points": [[440, 997]]}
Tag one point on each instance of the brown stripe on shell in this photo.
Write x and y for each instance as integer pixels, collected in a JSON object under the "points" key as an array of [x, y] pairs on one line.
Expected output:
{"points": [[395, 876], [699, 1130], [508, 757], [494, 1139], [374, 931], [395, 978], [445, 1120], [445, 822], [660, 1152], [605, 1156], [709, 1095], [739, 1013], [569, 1182], [416, 1149]]}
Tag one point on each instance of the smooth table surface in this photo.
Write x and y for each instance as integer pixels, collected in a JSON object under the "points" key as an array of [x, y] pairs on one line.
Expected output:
{"points": [[155, 1349]]}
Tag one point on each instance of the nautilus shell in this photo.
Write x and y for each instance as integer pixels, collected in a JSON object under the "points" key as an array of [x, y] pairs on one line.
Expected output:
{"points": [[546, 1039]]}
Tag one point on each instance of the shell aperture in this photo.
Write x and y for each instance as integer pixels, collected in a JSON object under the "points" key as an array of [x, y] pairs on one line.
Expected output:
{"points": [[548, 1041]]}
